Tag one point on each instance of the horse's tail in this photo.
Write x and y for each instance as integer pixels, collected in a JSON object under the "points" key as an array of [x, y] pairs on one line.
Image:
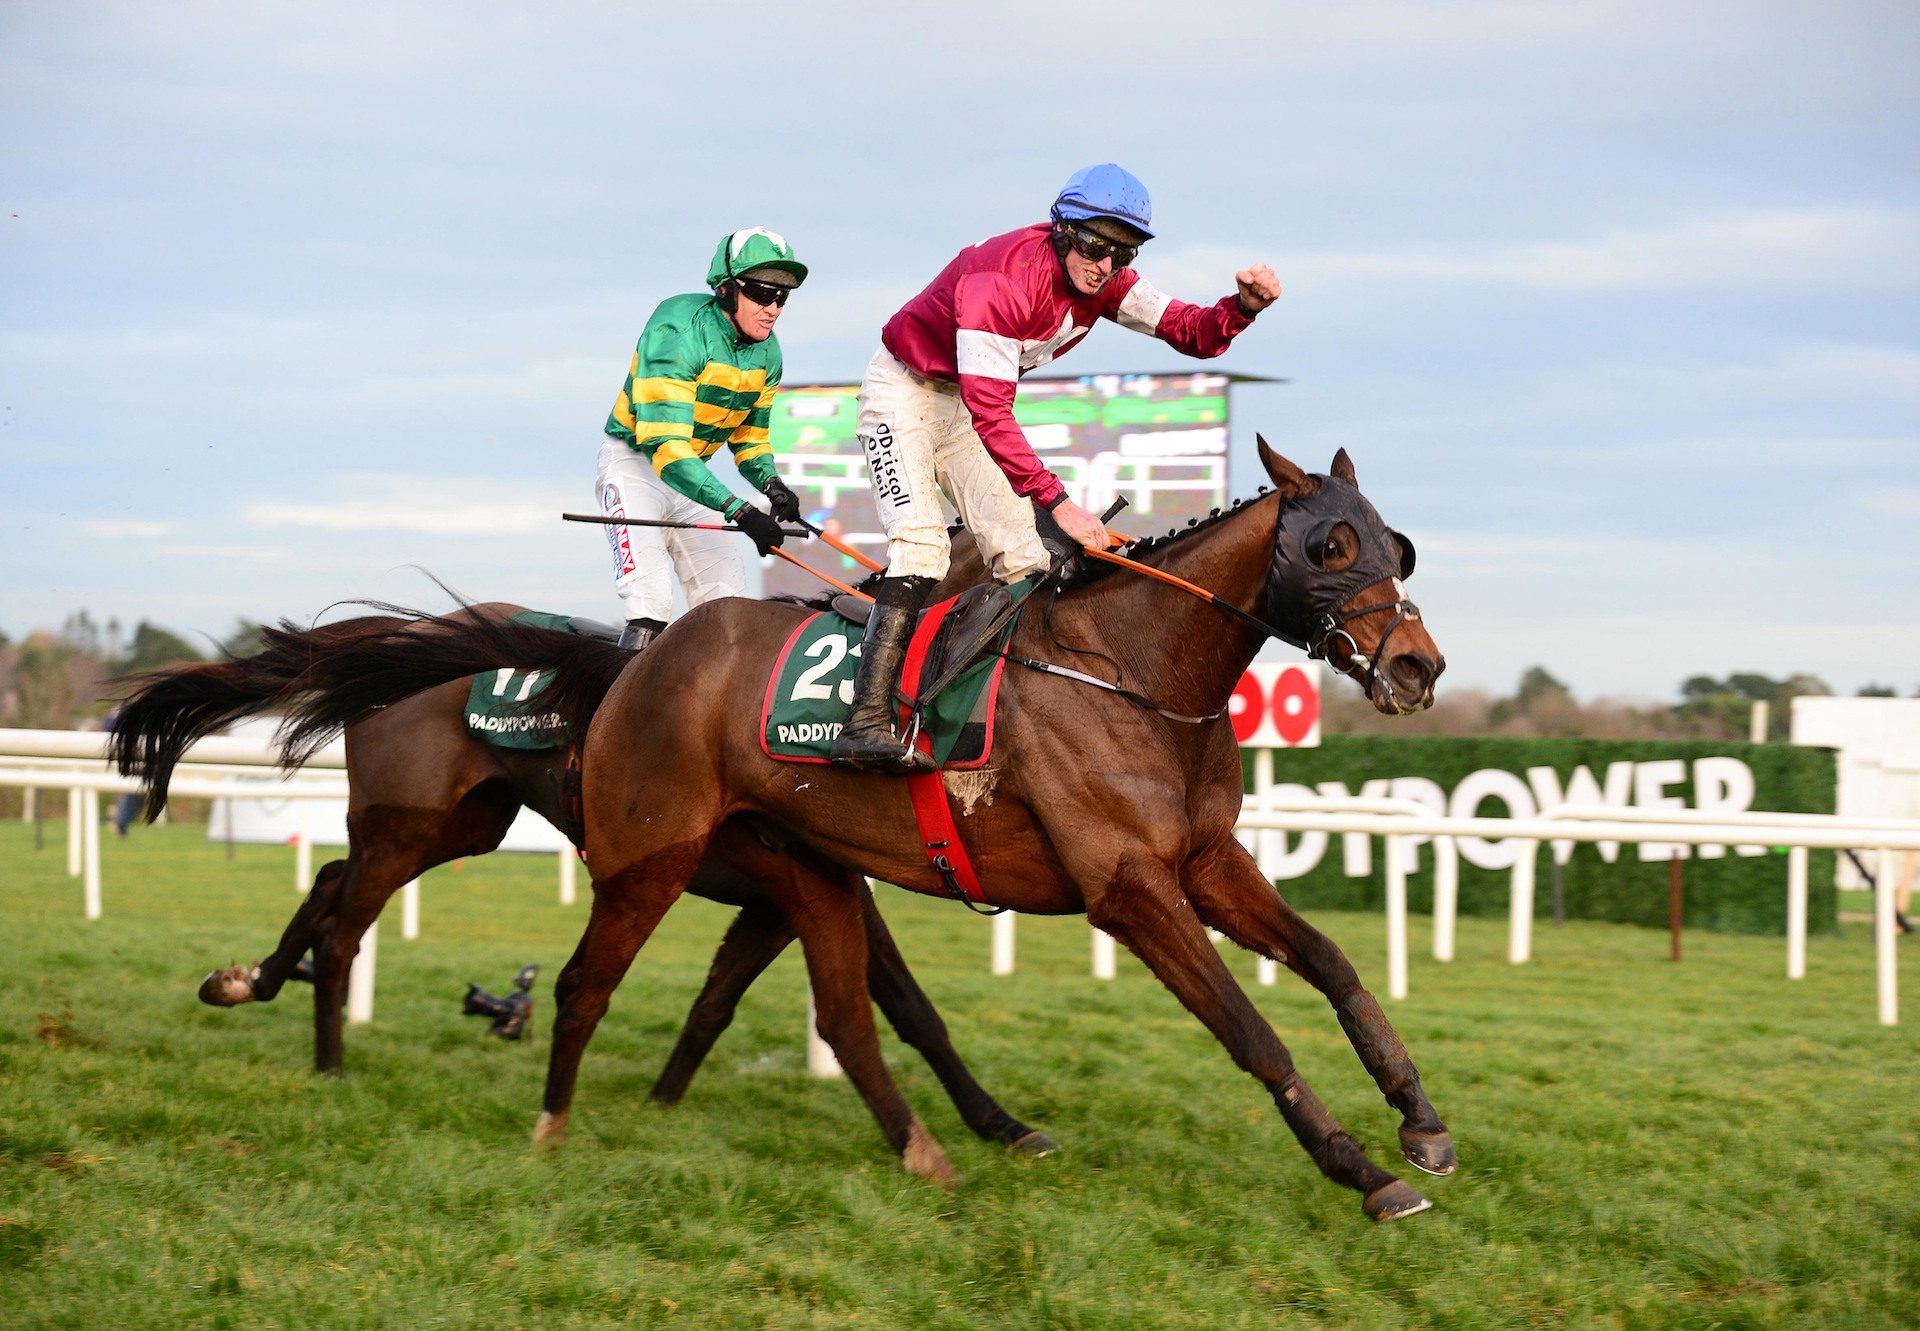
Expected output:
{"points": [[171, 708], [346, 685]]}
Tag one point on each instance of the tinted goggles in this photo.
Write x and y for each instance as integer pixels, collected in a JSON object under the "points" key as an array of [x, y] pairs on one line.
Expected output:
{"points": [[763, 293], [1093, 247]]}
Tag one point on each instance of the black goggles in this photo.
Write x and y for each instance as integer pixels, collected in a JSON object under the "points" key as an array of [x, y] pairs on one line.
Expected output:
{"points": [[1093, 247], [763, 293]]}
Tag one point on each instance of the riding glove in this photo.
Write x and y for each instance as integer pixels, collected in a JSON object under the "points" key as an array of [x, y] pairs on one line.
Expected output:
{"points": [[763, 529], [785, 503]]}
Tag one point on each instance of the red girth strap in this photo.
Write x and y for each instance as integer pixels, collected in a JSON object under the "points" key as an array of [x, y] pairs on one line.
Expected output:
{"points": [[939, 838]]}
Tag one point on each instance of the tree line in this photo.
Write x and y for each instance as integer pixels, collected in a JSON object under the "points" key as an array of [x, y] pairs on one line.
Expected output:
{"points": [[64, 680]]}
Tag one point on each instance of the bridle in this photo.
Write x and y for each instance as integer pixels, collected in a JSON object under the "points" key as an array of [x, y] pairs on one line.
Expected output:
{"points": [[1317, 632]]}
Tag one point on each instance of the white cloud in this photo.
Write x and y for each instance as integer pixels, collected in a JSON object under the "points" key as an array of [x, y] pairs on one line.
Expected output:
{"points": [[425, 505], [1748, 249], [127, 529]]}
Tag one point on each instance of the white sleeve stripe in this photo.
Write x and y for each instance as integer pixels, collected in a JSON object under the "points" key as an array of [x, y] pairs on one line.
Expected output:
{"points": [[1141, 308], [988, 355]]}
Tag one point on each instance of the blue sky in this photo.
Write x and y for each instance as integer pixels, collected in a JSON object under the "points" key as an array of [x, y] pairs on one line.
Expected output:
{"points": [[1613, 304]]}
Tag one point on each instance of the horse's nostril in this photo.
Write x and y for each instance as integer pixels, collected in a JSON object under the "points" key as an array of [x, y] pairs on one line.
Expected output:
{"points": [[1414, 671]]}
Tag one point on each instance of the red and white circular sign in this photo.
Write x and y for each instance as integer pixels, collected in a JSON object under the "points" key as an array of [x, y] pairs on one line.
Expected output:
{"points": [[1277, 706]]}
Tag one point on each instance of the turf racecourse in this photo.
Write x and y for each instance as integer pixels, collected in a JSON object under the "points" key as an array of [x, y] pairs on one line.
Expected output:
{"points": [[1643, 1144]]}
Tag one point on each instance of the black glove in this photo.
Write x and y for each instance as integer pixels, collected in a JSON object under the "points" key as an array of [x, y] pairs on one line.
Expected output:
{"points": [[763, 529], [786, 504]]}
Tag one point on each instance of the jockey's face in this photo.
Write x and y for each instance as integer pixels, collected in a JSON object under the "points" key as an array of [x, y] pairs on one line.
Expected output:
{"points": [[1084, 275], [754, 320]]}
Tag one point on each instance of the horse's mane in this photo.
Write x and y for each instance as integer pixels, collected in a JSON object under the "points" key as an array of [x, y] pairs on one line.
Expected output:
{"points": [[1095, 570]]}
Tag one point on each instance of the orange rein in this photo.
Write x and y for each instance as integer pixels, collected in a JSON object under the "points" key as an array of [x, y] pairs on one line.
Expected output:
{"points": [[1154, 573], [831, 582]]}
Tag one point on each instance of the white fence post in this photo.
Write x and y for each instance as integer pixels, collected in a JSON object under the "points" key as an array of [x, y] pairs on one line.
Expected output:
{"points": [[567, 862], [90, 824], [302, 852], [410, 910], [820, 1059], [1396, 854], [75, 854], [1520, 905], [1797, 913], [1267, 971], [1003, 943], [1103, 956], [360, 978], [1446, 896], [1883, 941]]}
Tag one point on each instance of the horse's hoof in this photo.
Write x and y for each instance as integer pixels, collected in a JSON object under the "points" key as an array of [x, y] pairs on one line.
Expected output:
{"points": [[228, 988], [1429, 1151], [923, 1158], [550, 1131], [1034, 1144], [1394, 1201]]}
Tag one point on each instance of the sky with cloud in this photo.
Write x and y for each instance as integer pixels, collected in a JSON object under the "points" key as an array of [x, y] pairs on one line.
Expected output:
{"points": [[1613, 303]]}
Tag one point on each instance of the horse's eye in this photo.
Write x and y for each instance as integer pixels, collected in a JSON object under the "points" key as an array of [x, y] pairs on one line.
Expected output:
{"points": [[1319, 546]]}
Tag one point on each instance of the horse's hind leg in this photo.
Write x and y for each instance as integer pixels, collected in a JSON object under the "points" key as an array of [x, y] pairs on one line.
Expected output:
{"points": [[1233, 896], [1148, 912], [917, 1022], [758, 934], [830, 922], [261, 982]]}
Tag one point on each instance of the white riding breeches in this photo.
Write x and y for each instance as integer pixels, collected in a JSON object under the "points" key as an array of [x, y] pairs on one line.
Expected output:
{"points": [[919, 440], [710, 564]]}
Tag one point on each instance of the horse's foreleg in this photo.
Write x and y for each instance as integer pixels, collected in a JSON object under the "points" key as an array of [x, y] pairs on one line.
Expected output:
{"points": [[1147, 911], [627, 908], [833, 930], [758, 934], [261, 982], [369, 881], [1233, 896], [915, 1020]]}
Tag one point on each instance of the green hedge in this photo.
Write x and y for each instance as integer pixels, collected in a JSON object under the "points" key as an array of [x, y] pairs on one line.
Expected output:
{"points": [[1734, 894]]}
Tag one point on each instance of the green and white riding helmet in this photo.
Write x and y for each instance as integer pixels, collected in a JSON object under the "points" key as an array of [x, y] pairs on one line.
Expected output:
{"points": [[758, 254]]}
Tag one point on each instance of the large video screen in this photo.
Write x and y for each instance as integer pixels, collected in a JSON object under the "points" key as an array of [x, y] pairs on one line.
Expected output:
{"points": [[1159, 440]]}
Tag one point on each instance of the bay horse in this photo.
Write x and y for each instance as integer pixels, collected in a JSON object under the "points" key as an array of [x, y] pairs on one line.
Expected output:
{"points": [[423, 790], [1117, 799]]}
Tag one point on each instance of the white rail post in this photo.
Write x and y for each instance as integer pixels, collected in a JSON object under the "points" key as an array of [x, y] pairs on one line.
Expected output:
{"points": [[820, 1059], [1396, 857], [75, 856], [1446, 896], [1003, 943], [1267, 971], [1883, 945], [90, 824], [1103, 956], [360, 978], [1797, 913], [1520, 905], [410, 910], [302, 851], [29, 803], [567, 861]]}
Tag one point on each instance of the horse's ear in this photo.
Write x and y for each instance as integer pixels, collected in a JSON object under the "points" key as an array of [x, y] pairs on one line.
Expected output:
{"points": [[1342, 469], [1288, 479]]}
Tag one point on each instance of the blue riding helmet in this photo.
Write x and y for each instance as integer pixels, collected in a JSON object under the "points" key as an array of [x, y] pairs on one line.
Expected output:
{"points": [[1105, 190]]}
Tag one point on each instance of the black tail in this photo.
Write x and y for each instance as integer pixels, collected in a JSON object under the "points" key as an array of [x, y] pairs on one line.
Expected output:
{"points": [[172, 708], [349, 683], [326, 679]]}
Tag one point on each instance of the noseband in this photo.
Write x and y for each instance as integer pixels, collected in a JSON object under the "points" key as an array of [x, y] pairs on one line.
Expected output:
{"points": [[1296, 577]]}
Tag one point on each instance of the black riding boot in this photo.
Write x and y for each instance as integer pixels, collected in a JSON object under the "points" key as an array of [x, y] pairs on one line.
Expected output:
{"points": [[638, 633], [869, 740]]}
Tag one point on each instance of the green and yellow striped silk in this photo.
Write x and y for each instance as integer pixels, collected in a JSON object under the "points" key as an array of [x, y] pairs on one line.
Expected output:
{"points": [[694, 385]]}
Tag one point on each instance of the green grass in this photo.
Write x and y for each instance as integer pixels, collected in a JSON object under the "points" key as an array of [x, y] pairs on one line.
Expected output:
{"points": [[1642, 1144]]}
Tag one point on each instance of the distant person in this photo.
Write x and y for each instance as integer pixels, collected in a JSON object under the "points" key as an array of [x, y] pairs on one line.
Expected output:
{"points": [[936, 408], [702, 375], [127, 808]]}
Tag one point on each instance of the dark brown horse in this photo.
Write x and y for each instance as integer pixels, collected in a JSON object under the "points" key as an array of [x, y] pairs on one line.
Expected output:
{"points": [[1121, 808], [422, 791]]}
